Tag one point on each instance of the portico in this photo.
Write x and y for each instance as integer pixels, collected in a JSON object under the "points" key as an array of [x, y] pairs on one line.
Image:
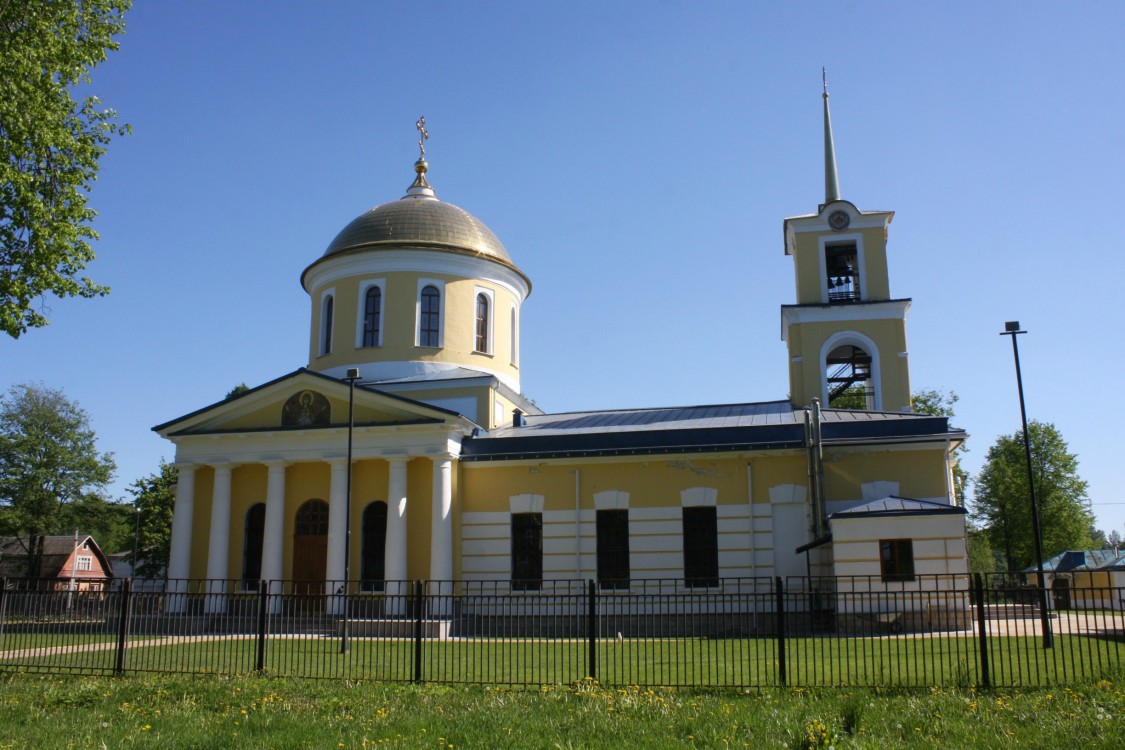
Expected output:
{"points": [[403, 456]]}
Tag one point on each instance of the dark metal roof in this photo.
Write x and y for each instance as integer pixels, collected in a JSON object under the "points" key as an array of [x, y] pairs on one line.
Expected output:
{"points": [[1074, 559], [57, 550], [751, 426], [892, 505]]}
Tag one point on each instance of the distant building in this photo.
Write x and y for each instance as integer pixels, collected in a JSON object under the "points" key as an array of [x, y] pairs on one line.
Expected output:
{"points": [[68, 563], [457, 476]]}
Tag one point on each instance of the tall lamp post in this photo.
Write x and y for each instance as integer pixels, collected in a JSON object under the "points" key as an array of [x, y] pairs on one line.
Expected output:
{"points": [[1012, 328], [351, 377]]}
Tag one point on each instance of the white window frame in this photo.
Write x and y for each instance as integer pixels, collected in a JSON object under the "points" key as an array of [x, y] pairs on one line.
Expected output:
{"points": [[361, 311], [440, 286], [489, 337], [855, 338], [324, 336], [83, 563], [515, 337], [845, 238]]}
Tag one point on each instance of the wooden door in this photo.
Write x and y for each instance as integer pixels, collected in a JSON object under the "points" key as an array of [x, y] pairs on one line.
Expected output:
{"points": [[310, 557]]}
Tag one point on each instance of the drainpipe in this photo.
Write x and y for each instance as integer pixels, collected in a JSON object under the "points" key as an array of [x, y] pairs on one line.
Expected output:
{"points": [[950, 489], [816, 466], [577, 525], [811, 467]]}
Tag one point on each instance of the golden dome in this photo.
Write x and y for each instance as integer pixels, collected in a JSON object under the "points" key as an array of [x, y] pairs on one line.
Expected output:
{"points": [[419, 221]]}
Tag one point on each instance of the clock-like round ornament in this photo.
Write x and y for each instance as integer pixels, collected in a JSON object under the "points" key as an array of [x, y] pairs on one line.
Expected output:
{"points": [[839, 220]]}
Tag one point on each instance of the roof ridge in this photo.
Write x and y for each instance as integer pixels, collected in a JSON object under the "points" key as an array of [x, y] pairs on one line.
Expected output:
{"points": [[662, 408]]}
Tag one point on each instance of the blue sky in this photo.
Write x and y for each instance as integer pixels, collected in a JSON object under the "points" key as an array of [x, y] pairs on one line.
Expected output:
{"points": [[637, 160]]}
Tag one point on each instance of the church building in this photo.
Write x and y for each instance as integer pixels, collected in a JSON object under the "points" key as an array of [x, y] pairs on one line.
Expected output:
{"points": [[414, 374]]}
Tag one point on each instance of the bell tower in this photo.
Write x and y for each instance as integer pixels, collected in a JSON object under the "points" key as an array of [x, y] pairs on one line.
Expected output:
{"points": [[846, 336]]}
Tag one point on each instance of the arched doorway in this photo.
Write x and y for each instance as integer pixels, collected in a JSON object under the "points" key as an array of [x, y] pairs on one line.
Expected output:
{"points": [[310, 553], [372, 571], [252, 536]]}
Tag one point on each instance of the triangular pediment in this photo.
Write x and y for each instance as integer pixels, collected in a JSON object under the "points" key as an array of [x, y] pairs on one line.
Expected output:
{"points": [[306, 400]]}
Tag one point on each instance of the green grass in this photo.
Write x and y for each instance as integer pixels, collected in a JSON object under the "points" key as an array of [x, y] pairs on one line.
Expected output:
{"points": [[810, 662], [256, 712]]}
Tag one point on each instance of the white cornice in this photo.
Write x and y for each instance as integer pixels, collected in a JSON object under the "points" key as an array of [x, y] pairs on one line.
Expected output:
{"points": [[895, 309], [818, 222], [319, 445], [421, 261]]}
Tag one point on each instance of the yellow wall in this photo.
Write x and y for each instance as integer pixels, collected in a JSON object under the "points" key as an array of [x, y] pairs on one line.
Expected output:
{"points": [[419, 512], [303, 482], [650, 483], [874, 279], [920, 473], [247, 487], [201, 521], [311, 481], [400, 320], [270, 416], [889, 336]]}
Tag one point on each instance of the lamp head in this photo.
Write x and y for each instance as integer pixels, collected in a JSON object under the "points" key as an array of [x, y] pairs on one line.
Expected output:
{"points": [[353, 373], [1012, 326]]}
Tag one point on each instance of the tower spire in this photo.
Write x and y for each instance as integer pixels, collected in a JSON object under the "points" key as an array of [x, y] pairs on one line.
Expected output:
{"points": [[831, 181]]}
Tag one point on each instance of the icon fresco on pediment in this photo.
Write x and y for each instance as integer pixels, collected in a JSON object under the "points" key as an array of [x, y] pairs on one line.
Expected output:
{"points": [[306, 409]]}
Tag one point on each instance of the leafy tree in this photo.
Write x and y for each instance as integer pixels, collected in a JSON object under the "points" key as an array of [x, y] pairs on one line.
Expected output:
{"points": [[1003, 507], [940, 404], [853, 397], [981, 557], [47, 459], [1114, 540], [155, 495], [51, 146], [237, 391], [933, 402], [111, 524], [1098, 539]]}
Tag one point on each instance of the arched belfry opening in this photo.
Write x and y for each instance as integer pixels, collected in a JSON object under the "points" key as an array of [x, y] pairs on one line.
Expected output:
{"points": [[848, 378]]}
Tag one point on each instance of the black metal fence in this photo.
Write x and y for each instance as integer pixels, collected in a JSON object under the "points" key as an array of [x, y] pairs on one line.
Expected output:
{"points": [[749, 632]]}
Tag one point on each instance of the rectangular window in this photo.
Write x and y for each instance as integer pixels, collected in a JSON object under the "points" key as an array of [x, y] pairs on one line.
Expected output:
{"points": [[483, 344], [896, 559], [527, 551], [372, 304], [701, 547], [613, 549], [429, 331], [84, 562]]}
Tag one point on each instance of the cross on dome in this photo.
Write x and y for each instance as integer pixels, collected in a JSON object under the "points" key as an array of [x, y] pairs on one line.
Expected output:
{"points": [[423, 136]]}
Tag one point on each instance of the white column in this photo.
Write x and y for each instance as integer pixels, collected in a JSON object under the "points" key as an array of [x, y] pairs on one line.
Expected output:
{"points": [[179, 558], [337, 529], [218, 551], [441, 534], [395, 551], [273, 542]]}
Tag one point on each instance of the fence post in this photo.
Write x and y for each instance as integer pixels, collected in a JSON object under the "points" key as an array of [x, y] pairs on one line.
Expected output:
{"points": [[263, 604], [123, 625], [3, 602], [592, 627], [982, 630], [419, 609], [779, 608]]}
